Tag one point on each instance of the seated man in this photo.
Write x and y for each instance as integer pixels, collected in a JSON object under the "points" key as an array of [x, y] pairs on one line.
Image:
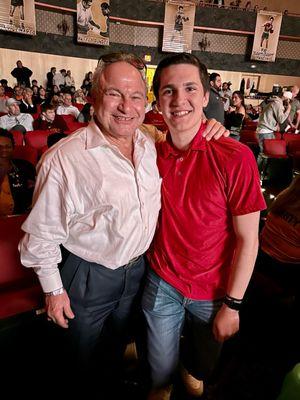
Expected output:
{"points": [[15, 120], [205, 245], [154, 117], [67, 108], [47, 120], [26, 104]]}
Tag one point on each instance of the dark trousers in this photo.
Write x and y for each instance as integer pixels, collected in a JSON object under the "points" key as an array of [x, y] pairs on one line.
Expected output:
{"points": [[104, 302]]}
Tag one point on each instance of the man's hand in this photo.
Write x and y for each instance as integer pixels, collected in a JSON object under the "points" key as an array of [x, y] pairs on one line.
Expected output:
{"points": [[58, 309], [215, 130], [226, 323]]}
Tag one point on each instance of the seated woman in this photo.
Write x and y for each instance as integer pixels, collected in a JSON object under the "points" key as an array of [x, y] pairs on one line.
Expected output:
{"points": [[86, 113], [17, 179], [279, 257], [235, 115]]}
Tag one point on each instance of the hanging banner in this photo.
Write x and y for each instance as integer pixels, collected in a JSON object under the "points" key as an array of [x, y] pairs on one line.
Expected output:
{"points": [[93, 22], [179, 26], [18, 16], [268, 24]]}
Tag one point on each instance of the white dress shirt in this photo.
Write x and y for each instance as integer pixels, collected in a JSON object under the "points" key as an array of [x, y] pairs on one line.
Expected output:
{"points": [[91, 199], [9, 121], [69, 110]]}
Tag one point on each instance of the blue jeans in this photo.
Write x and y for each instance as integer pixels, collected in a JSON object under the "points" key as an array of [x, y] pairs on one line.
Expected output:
{"points": [[167, 312]]}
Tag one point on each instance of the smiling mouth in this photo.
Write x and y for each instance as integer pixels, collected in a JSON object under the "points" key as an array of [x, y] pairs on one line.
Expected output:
{"points": [[180, 113], [122, 118]]}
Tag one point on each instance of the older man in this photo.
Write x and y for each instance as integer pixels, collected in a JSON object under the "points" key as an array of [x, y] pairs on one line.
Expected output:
{"points": [[97, 194], [205, 245], [15, 119], [67, 108]]}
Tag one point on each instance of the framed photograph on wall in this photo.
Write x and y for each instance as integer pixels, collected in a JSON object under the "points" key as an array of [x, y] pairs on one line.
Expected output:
{"points": [[18, 16]]}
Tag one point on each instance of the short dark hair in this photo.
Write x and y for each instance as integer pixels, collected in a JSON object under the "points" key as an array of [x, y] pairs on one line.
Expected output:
{"points": [[176, 59], [213, 76], [6, 134], [47, 106]]}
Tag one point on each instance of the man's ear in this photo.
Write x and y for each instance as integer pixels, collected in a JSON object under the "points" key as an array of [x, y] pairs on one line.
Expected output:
{"points": [[206, 99], [158, 105]]}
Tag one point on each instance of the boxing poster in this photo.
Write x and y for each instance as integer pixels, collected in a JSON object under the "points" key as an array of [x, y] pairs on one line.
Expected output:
{"points": [[178, 26], [266, 37], [93, 22], [18, 16]]}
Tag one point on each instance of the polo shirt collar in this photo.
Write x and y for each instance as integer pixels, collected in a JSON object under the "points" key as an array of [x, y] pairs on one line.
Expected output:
{"points": [[198, 144]]}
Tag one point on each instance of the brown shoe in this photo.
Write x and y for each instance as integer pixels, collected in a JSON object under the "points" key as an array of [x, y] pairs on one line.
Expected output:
{"points": [[160, 394], [193, 386]]}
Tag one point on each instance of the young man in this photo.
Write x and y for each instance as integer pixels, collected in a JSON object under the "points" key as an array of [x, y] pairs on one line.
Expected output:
{"points": [[205, 245]]}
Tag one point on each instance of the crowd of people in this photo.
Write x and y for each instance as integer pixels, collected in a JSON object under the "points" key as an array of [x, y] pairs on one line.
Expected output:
{"points": [[130, 220]]}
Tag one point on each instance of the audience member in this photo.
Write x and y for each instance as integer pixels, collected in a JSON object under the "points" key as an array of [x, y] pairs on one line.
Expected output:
{"points": [[42, 96], [22, 74], [47, 120], [26, 104], [15, 120], [67, 108], [215, 106], [3, 98], [279, 257], [86, 113], [79, 97], [59, 79], [155, 117], [69, 80], [18, 93], [276, 112], [293, 120], [50, 76], [17, 179], [8, 90], [235, 116]]}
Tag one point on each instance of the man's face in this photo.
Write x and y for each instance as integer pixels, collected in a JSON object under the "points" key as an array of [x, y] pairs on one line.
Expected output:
{"points": [[18, 91], [87, 3], [19, 64], [2, 91], [49, 115], [217, 83], [182, 98], [120, 105], [67, 100], [27, 95], [6, 148], [14, 109]]}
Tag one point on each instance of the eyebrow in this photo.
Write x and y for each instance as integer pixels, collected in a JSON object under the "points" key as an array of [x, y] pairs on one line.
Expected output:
{"points": [[171, 85], [117, 90]]}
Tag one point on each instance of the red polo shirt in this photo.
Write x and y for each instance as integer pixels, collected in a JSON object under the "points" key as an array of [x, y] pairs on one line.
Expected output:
{"points": [[202, 189]]}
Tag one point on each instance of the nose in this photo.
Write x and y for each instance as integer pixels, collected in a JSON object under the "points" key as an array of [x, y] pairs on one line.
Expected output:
{"points": [[178, 97], [125, 105]]}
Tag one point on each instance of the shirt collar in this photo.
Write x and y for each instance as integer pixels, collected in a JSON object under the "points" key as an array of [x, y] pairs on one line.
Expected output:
{"points": [[95, 137], [198, 144]]}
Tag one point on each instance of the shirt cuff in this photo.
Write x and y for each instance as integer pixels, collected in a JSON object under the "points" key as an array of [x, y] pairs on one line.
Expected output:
{"points": [[51, 283]]}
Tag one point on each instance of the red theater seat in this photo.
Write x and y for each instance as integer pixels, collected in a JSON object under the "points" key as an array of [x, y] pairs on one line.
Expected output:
{"points": [[27, 153], [37, 139], [18, 137], [273, 149], [20, 290]]}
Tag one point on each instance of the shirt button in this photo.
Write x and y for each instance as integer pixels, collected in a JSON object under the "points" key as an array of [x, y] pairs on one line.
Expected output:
{"points": [[181, 159]]}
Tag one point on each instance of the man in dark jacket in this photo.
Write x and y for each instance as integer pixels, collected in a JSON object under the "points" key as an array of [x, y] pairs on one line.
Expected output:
{"points": [[22, 74]]}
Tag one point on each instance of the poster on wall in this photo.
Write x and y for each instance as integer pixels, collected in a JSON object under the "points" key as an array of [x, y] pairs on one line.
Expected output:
{"points": [[178, 26], [93, 22], [18, 16], [266, 37]]}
